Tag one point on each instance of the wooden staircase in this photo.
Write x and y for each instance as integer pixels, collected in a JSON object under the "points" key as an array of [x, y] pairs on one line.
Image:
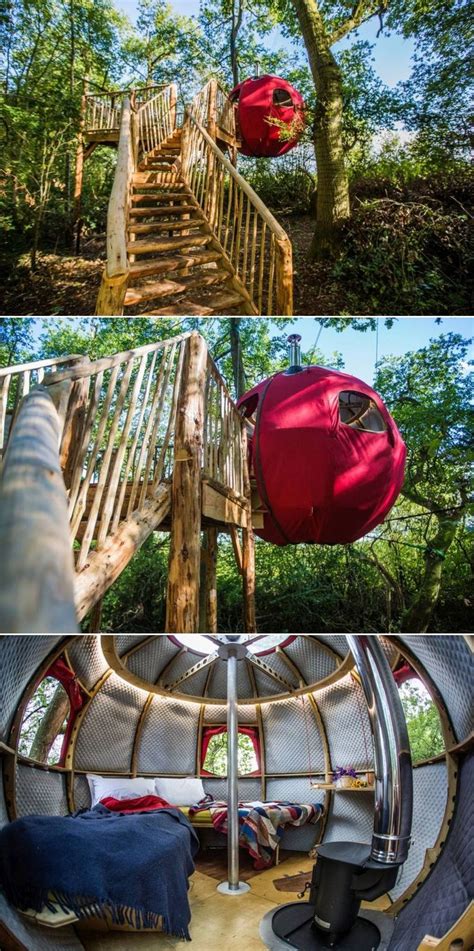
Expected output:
{"points": [[186, 234], [174, 257]]}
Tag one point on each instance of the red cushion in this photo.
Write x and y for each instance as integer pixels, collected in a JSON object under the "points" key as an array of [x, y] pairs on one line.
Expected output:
{"points": [[142, 804]]}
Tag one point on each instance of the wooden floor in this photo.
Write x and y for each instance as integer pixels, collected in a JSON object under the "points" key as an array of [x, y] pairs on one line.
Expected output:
{"points": [[218, 921]]}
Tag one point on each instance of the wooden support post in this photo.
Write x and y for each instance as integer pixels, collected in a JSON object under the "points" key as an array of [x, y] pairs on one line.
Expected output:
{"points": [[284, 278], [182, 606], [37, 577], [73, 429], [248, 547], [208, 584], [111, 295]]}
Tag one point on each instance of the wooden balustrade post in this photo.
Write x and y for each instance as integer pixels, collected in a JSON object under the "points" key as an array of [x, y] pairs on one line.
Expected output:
{"points": [[248, 546], [37, 576], [284, 278], [182, 605], [173, 104]]}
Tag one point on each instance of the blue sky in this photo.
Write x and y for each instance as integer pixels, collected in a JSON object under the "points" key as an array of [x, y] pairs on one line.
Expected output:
{"points": [[392, 54], [358, 348]]}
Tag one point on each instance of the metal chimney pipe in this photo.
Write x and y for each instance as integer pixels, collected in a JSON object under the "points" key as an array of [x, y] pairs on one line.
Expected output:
{"points": [[294, 341], [393, 769]]}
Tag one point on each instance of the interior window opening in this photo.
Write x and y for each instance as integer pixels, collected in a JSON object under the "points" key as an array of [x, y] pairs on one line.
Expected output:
{"points": [[423, 721], [281, 97], [360, 412], [45, 722], [214, 759]]}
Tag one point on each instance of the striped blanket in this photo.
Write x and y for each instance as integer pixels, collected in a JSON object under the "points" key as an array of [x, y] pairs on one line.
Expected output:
{"points": [[261, 824]]}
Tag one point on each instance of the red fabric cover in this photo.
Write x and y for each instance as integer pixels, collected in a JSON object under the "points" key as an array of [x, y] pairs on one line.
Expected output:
{"points": [[60, 670], [255, 104], [210, 731], [141, 804], [403, 673], [323, 481]]}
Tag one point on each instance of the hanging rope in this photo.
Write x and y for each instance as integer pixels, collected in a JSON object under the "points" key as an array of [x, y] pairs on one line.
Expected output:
{"points": [[305, 717]]}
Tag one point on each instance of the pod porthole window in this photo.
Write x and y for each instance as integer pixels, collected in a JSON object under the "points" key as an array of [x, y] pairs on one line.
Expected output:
{"points": [[360, 412], [281, 97], [45, 722], [214, 752]]}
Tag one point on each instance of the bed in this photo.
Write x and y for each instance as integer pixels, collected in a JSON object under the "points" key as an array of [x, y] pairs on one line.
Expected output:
{"points": [[129, 865]]}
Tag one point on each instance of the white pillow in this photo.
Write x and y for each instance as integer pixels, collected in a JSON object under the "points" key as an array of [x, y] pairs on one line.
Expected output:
{"points": [[119, 787], [180, 792]]}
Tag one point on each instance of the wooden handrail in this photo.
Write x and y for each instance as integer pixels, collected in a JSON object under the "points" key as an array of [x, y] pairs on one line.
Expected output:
{"points": [[16, 382], [257, 246], [36, 581], [115, 277]]}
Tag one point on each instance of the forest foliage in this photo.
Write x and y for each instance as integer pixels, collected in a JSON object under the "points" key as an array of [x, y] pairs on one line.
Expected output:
{"points": [[403, 242], [411, 574]]}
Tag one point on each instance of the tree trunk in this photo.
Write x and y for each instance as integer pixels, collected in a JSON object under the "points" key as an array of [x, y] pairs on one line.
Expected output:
{"points": [[238, 371], [416, 619], [332, 207], [50, 725]]}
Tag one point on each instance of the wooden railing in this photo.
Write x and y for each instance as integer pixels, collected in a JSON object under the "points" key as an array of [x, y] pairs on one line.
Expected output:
{"points": [[16, 382], [112, 447], [157, 118], [102, 112], [257, 247], [222, 438], [212, 109], [123, 448]]}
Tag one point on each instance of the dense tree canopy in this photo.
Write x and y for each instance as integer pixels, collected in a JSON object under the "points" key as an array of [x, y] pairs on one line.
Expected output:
{"points": [[376, 161]]}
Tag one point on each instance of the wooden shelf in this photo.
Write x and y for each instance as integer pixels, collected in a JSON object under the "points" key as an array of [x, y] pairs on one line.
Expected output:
{"points": [[331, 787]]}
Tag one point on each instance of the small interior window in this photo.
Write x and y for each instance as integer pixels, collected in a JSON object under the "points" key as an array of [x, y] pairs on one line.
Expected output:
{"points": [[215, 761], [423, 721], [360, 412], [281, 97], [44, 722]]}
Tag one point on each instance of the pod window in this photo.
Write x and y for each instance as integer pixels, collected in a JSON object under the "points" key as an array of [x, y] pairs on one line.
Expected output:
{"points": [[45, 722], [281, 97], [423, 721], [360, 412], [214, 751]]}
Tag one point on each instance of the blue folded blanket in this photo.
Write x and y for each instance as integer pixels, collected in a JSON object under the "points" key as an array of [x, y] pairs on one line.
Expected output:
{"points": [[134, 867]]}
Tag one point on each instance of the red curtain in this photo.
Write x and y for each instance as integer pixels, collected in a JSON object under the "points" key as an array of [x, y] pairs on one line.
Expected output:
{"points": [[60, 670], [211, 731], [403, 673]]}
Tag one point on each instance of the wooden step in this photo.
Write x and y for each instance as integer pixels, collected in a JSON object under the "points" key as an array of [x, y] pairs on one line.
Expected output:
{"points": [[191, 223], [187, 307], [146, 178], [167, 244], [162, 196], [163, 288], [219, 304], [176, 263], [149, 186], [156, 211]]}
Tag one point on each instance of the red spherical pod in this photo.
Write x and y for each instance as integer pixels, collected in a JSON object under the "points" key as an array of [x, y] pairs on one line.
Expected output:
{"points": [[260, 99], [326, 454]]}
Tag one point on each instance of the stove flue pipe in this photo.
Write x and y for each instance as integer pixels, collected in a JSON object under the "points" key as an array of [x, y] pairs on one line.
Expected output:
{"points": [[393, 769]]}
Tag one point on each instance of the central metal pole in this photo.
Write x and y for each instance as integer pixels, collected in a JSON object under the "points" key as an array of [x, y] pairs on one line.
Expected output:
{"points": [[233, 886], [232, 772]]}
